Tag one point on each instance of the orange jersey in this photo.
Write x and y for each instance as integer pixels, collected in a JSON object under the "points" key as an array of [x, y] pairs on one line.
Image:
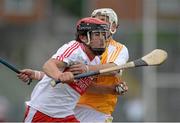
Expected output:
{"points": [[105, 103]]}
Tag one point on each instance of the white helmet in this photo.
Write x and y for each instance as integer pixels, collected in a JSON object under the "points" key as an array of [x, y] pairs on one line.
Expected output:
{"points": [[107, 12]]}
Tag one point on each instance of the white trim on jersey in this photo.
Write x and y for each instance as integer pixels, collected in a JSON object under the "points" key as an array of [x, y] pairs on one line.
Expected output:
{"points": [[30, 115]]}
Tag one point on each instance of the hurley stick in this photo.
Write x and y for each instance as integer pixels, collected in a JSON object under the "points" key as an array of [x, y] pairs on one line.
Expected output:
{"points": [[156, 57]]}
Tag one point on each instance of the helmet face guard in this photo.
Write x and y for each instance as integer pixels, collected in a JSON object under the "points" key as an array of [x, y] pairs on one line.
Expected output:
{"points": [[98, 35]]}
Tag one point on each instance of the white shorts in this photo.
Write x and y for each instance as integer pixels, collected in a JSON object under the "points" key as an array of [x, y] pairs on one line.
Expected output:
{"points": [[88, 114]]}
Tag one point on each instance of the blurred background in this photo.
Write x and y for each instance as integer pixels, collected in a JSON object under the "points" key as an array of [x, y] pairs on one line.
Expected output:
{"points": [[32, 30]]}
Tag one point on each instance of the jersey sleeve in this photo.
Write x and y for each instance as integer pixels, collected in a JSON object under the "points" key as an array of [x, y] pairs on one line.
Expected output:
{"points": [[60, 51], [66, 53], [122, 57]]}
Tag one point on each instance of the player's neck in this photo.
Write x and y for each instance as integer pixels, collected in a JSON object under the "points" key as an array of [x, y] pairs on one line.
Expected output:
{"points": [[88, 52]]}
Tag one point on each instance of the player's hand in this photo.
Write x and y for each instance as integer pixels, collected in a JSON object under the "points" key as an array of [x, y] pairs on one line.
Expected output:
{"points": [[78, 68], [121, 88], [26, 75], [66, 77]]}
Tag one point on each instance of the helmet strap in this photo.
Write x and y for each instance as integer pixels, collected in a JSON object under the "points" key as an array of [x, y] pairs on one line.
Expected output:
{"points": [[111, 31], [88, 38]]}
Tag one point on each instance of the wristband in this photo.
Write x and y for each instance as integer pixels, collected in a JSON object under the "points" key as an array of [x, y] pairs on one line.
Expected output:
{"points": [[37, 75]]}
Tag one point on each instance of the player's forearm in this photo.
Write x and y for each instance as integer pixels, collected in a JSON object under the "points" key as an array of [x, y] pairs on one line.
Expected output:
{"points": [[100, 89], [115, 89], [51, 69]]}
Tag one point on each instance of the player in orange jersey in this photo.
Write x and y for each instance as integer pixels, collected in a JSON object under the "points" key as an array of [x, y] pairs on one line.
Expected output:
{"points": [[99, 107]]}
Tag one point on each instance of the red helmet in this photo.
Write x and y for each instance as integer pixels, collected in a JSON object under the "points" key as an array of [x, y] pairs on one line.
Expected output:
{"points": [[89, 24]]}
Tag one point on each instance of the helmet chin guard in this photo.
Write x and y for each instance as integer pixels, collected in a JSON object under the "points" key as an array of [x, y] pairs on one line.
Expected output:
{"points": [[88, 38], [97, 51]]}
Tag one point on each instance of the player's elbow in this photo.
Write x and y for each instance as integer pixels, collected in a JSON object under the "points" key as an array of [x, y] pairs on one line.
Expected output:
{"points": [[47, 65]]}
